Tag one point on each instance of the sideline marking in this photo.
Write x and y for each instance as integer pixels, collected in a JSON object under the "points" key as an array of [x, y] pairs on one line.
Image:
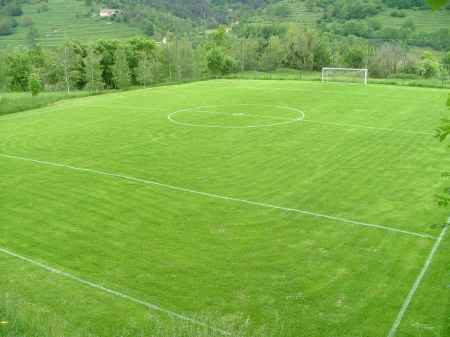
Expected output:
{"points": [[218, 196], [301, 117], [110, 291], [417, 283]]}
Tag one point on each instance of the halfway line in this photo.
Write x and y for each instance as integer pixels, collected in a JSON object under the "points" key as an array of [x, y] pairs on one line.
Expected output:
{"points": [[110, 291], [222, 197]]}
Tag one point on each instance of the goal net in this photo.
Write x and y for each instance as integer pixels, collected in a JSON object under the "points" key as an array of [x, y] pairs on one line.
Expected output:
{"points": [[345, 75]]}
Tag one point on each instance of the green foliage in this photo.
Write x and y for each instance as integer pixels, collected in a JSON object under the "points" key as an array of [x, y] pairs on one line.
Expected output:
{"points": [[216, 59], [18, 71], [436, 4], [32, 37], [281, 10], [273, 56], [428, 66], [121, 69], [93, 72], [35, 84], [69, 65], [148, 70], [356, 9], [6, 25]]}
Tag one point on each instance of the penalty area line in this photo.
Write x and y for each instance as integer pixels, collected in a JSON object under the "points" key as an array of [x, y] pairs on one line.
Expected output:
{"points": [[221, 197], [110, 291], [417, 283]]}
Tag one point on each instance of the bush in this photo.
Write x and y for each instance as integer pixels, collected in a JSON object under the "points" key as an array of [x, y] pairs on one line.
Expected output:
{"points": [[428, 68], [13, 9], [27, 21], [6, 26], [35, 84], [398, 14], [43, 7], [281, 10]]}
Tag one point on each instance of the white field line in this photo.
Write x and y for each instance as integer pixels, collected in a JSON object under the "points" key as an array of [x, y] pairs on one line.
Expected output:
{"points": [[171, 117], [222, 197], [417, 283], [110, 291], [371, 127]]}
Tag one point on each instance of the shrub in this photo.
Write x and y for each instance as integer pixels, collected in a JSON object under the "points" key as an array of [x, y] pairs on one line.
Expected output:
{"points": [[35, 84], [6, 26], [428, 68], [398, 14]]}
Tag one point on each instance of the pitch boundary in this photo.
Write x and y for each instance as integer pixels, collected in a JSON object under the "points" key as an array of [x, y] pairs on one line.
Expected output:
{"points": [[116, 293], [417, 282], [222, 197]]}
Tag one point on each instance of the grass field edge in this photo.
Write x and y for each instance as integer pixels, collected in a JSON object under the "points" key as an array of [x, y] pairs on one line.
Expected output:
{"points": [[417, 282], [115, 293]]}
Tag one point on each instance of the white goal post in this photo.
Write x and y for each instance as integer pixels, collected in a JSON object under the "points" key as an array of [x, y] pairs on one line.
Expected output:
{"points": [[345, 74]]}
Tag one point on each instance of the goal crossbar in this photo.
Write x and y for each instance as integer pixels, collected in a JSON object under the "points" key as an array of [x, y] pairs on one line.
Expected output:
{"points": [[327, 70]]}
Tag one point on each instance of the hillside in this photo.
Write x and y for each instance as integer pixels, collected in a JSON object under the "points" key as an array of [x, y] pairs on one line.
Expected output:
{"points": [[79, 20], [64, 19], [418, 26], [297, 11]]}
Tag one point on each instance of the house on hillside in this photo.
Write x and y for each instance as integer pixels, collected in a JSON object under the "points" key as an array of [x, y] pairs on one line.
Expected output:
{"points": [[108, 12]]}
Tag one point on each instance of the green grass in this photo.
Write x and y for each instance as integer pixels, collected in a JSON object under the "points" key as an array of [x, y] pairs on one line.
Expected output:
{"points": [[364, 153], [15, 102], [62, 22]]}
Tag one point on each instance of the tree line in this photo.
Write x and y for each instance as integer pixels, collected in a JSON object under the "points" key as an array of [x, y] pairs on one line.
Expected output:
{"points": [[119, 64]]}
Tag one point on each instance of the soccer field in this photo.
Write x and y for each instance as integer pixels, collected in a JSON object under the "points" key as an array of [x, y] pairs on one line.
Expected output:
{"points": [[270, 208]]}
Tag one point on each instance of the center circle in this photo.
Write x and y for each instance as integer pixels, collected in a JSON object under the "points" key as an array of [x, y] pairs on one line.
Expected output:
{"points": [[236, 116]]}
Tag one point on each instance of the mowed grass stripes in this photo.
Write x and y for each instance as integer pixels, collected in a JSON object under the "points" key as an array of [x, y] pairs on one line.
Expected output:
{"points": [[223, 261]]}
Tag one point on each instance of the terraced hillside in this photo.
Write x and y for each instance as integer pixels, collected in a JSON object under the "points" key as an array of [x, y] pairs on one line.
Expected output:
{"points": [[299, 13], [424, 20], [66, 19]]}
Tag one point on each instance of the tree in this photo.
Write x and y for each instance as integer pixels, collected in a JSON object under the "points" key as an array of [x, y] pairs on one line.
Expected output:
{"points": [[121, 69], [93, 71], [446, 62], [428, 66], [436, 4], [35, 84], [149, 28], [32, 37], [3, 71], [355, 55], [69, 65], [442, 134], [219, 63], [6, 25], [273, 55], [148, 70], [18, 70], [215, 59], [106, 50]]}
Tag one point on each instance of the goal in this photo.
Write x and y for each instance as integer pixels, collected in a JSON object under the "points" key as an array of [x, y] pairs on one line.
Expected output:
{"points": [[345, 75]]}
